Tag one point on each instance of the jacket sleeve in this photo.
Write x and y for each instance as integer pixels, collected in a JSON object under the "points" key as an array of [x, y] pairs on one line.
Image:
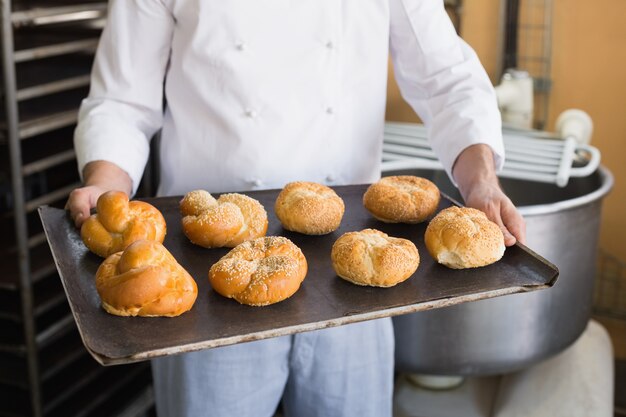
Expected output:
{"points": [[442, 79], [124, 108]]}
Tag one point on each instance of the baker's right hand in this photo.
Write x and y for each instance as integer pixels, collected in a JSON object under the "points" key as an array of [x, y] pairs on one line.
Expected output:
{"points": [[81, 201], [100, 177]]}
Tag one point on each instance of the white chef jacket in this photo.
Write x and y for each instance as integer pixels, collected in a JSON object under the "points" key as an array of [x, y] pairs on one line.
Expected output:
{"points": [[260, 93]]}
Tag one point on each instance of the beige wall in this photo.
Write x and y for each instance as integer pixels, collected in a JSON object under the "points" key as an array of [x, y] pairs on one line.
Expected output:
{"points": [[588, 69], [588, 72]]}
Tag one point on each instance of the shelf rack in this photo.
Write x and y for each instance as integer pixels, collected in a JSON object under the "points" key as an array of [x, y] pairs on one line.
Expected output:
{"points": [[526, 44], [45, 371]]}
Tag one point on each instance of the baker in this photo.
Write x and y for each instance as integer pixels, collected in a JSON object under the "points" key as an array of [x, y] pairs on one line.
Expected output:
{"points": [[261, 93]]}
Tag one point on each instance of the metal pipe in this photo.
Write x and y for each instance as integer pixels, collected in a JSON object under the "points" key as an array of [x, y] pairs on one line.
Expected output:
{"points": [[510, 43], [547, 52], [58, 14], [49, 162], [500, 41], [47, 123], [53, 87], [38, 52], [50, 197], [21, 229]]}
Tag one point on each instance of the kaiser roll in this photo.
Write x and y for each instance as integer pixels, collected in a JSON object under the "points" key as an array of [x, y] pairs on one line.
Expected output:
{"points": [[371, 257], [402, 199], [309, 208], [463, 237]]}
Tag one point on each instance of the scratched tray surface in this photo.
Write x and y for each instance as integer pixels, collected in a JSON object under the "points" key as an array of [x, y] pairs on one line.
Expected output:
{"points": [[323, 300]]}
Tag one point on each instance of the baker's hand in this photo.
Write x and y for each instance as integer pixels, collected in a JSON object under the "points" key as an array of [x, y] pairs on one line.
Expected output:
{"points": [[100, 177], [489, 198], [475, 175], [81, 201]]}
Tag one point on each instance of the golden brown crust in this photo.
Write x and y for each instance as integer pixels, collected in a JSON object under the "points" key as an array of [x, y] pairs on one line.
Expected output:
{"points": [[145, 280], [463, 237], [309, 208], [119, 222], [402, 199], [371, 257], [260, 272], [225, 222]]}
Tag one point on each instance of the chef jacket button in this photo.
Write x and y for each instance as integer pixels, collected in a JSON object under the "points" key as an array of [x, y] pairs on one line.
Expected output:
{"points": [[330, 110], [251, 113], [329, 45], [240, 46], [330, 179], [257, 182]]}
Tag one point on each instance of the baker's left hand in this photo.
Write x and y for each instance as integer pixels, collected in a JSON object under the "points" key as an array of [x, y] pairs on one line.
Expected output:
{"points": [[475, 175]]}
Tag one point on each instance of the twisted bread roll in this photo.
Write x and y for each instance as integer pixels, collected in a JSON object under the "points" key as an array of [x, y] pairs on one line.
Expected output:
{"points": [[118, 223], [371, 257], [225, 222], [260, 272], [402, 199], [145, 280], [309, 208], [463, 237]]}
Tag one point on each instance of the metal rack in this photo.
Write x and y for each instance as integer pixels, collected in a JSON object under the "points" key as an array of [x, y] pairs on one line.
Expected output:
{"points": [[610, 291], [531, 155], [526, 35], [47, 51]]}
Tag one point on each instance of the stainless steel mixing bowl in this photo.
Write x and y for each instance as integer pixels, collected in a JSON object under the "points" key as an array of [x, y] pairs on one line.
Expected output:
{"points": [[512, 332]]}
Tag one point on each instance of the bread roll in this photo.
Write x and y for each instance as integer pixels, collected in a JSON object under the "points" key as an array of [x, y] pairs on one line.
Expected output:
{"points": [[260, 272], [402, 199], [463, 237], [309, 208], [119, 222], [145, 280], [371, 257], [225, 222]]}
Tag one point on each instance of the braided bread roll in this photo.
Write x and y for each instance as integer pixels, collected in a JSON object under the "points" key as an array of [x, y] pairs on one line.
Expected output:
{"points": [[120, 222], [260, 272], [225, 222], [145, 280]]}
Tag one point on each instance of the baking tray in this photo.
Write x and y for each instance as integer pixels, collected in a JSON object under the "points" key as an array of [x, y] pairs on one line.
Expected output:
{"points": [[324, 299]]}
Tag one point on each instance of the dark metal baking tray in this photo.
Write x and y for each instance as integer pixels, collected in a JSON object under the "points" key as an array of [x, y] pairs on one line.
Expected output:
{"points": [[324, 300]]}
